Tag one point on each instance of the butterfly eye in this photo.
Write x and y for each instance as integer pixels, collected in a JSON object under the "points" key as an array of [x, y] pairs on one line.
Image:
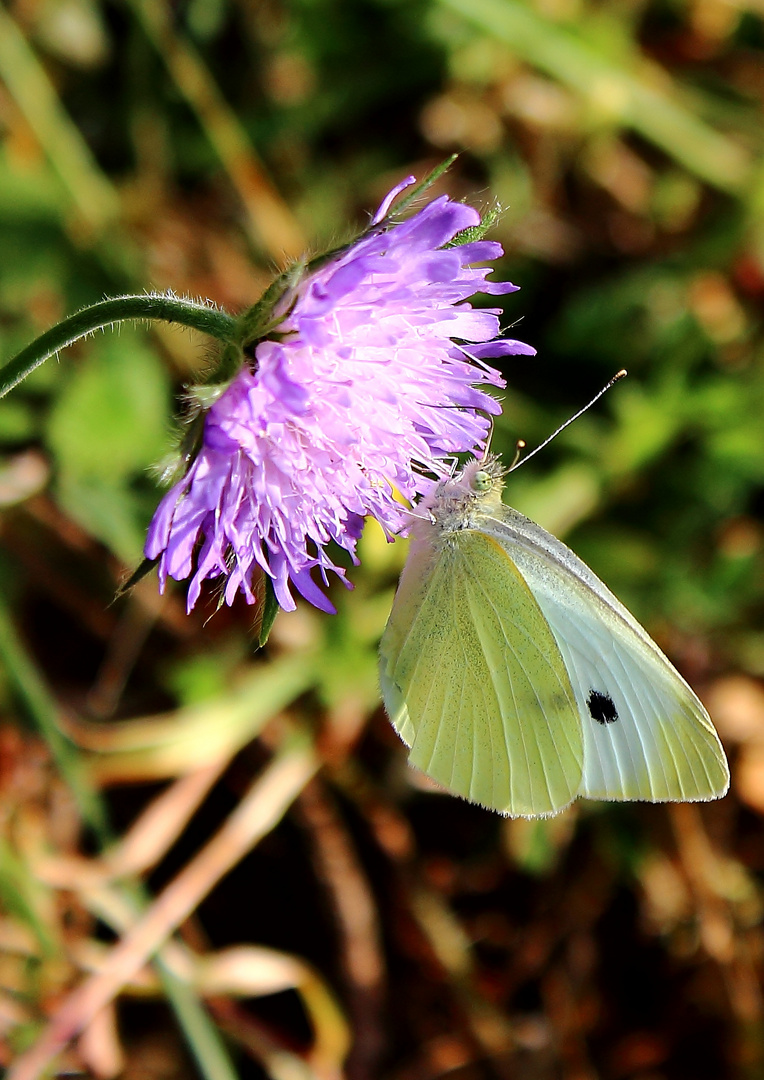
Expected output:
{"points": [[482, 481]]}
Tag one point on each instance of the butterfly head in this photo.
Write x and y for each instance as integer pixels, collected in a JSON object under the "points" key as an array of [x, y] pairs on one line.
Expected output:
{"points": [[484, 478], [457, 502]]}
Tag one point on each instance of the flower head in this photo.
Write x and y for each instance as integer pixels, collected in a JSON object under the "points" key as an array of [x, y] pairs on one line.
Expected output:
{"points": [[376, 370]]}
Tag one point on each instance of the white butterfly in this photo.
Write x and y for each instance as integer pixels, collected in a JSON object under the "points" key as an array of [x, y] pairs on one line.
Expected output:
{"points": [[519, 681]]}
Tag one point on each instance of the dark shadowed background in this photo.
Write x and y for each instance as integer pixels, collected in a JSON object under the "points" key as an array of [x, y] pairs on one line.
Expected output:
{"points": [[381, 929]]}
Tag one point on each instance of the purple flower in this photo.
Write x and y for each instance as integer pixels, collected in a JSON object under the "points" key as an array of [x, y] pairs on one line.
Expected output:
{"points": [[376, 370]]}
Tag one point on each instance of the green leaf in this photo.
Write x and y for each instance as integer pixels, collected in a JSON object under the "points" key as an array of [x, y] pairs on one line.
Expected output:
{"points": [[144, 567], [111, 418], [267, 612], [109, 512], [17, 421]]}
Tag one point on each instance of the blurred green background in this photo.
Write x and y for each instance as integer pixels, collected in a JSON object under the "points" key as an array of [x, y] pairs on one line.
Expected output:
{"points": [[361, 924]]}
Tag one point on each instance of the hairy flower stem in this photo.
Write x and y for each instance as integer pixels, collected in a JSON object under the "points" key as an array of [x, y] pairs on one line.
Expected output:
{"points": [[172, 309]]}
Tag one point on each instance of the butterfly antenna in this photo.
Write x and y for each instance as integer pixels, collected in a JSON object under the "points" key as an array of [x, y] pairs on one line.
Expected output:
{"points": [[518, 461]]}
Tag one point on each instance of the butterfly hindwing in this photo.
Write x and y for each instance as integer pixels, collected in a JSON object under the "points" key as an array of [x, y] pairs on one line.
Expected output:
{"points": [[646, 734], [475, 682]]}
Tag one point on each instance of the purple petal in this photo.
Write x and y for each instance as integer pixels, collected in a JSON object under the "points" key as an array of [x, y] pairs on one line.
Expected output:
{"points": [[501, 347], [390, 198], [379, 369]]}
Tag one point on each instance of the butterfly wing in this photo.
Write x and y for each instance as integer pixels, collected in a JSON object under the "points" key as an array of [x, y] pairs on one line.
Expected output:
{"points": [[646, 734], [474, 682]]}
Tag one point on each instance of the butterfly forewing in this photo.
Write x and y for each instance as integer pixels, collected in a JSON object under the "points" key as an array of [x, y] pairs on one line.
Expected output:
{"points": [[646, 734], [474, 680]]}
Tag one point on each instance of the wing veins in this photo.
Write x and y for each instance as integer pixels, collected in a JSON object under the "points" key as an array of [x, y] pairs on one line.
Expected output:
{"points": [[479, 588]]}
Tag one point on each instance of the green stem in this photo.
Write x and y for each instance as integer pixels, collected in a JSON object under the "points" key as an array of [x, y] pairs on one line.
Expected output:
{"points": [[173, 309]]}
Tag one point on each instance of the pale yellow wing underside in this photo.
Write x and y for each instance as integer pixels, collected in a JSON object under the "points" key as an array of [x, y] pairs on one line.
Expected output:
{"points": [[475, 683]]}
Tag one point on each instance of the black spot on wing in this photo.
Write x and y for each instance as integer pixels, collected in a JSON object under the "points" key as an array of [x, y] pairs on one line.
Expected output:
{"points": [[602, 707]]}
